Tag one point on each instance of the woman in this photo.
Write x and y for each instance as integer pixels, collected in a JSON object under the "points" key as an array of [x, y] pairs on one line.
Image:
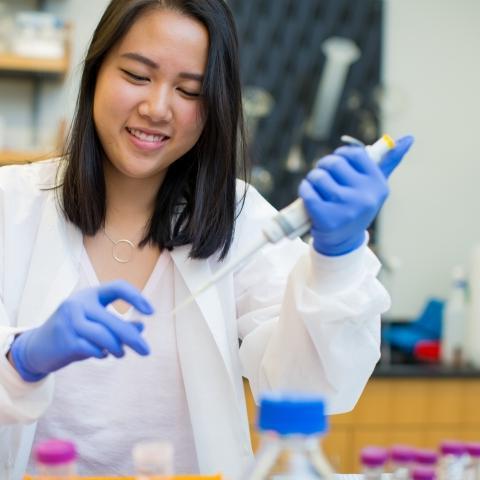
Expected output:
{"points": [[146, 192]]}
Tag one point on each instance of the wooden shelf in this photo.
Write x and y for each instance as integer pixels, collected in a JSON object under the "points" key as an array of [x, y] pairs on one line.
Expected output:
{"points": [[9, 157], [16, 64]]}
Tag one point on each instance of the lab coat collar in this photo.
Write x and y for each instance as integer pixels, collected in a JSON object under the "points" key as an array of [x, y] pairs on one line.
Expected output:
{"points": [[53, 271]]}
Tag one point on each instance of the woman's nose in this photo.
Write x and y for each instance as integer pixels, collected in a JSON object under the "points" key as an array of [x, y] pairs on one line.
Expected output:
{"points": [[157, 106]]}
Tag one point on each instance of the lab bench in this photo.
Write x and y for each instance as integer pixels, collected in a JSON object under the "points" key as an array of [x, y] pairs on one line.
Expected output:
{"points": [[418, 405]]}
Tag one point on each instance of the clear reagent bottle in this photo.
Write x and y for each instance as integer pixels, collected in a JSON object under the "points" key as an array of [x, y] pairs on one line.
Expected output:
{"points": [[152, 459], [454, 322], [291, 426]]}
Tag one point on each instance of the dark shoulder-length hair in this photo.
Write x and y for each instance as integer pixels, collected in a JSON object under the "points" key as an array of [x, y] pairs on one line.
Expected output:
{"points": [[197, 202]]}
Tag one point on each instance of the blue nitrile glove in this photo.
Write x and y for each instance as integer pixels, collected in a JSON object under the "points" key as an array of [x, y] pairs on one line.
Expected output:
{"points": [[81, 328], [344, 193]]}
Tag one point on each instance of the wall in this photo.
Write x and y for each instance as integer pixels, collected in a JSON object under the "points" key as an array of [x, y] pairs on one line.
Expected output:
{"points": [[432, 72]]}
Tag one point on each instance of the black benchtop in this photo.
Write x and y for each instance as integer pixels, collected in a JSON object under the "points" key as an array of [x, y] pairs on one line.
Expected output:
{"points": [[424, 371]]}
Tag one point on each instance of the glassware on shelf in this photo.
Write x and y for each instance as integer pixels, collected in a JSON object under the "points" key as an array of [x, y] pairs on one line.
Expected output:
{"points": [[257, 103], [38, 35]]}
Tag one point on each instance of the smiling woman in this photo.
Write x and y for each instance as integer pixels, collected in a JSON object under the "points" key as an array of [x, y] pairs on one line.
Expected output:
{"points": [[156, 76], [99, 247], [147, 108]]}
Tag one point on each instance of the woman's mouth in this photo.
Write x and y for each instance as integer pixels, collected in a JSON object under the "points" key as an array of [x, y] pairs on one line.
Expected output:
{"points": [[145, 140]]}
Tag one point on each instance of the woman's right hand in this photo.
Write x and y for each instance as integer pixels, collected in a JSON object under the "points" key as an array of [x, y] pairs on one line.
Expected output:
{"points": [[81, 328]]}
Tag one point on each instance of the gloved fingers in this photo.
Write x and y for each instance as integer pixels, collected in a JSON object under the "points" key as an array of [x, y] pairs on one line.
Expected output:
{"points": [[122, 290], [85, 349], [391, 160], [138, 325], [358, 158], [340, 170], [98, 335], [127, 333], [325, 186], [319, 210]]}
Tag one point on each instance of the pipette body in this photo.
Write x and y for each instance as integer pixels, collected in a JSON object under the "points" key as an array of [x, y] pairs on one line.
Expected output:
{"points": [[293, 221]]}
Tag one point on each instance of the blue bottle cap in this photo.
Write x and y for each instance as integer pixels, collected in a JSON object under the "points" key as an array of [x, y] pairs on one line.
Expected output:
{"points": [[292, 413]]}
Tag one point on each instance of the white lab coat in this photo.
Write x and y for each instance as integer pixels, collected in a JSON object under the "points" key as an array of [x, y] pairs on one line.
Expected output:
{"points": [[320, 333]]}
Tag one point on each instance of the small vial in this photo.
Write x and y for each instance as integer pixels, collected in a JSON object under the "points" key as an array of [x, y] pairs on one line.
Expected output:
{"points": [[452, 460], [55, 460], [472, 469], [152, 459], [423, 473], [401, 457], [373, 461], [425, 457]]}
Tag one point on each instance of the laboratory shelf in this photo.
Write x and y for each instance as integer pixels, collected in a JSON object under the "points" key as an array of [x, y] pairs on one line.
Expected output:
{"points": [[9, 157], [10, 63]]}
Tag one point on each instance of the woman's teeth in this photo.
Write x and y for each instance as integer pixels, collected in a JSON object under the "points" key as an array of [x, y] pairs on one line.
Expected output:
{"points": [[145, 136]]}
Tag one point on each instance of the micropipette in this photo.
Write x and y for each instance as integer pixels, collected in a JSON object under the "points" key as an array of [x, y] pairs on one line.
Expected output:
{"points": [[290, 222]]}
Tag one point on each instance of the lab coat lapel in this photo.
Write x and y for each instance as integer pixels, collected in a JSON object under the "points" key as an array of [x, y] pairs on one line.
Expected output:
{"points": [[53, 271], [222, 444], [195, 273]]}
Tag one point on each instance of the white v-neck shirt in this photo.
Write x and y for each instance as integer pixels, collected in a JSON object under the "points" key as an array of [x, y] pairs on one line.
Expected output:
{"points": [[106, 406]]}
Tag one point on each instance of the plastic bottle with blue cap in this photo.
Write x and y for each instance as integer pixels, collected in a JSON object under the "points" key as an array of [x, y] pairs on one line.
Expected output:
{"points": [[291, 427]]}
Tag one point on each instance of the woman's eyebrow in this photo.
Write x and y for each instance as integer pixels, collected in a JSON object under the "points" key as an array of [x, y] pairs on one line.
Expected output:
{"points": [[150, 63], [140, 58], [191, 76]]}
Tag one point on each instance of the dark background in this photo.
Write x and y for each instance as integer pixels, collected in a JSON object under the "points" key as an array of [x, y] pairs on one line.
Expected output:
{"points": [[281, 52]]}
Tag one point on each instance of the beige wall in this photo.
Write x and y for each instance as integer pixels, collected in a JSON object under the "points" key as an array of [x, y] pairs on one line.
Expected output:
{"points": [[431, 220]]}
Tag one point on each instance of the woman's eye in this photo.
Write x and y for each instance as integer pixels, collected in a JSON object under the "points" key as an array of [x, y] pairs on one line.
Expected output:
{"points": [[136, 78], [189, 94]]}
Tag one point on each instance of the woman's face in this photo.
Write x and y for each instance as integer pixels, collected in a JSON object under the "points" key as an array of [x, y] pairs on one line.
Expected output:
{"points": [[147, 109]]}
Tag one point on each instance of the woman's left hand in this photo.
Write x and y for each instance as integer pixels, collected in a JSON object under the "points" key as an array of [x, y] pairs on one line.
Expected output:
{"points": [[345, 192]]}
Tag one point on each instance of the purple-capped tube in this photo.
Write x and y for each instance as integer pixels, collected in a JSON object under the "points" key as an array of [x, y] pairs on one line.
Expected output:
{"points": [[373, 460], [423, 472], [425, 457], [453, 459], [401, 459], [472, 469], [55, 458]]}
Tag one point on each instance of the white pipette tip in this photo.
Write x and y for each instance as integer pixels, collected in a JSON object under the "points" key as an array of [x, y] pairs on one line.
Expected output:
{"points": [[220, 273], [192, 297]]}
